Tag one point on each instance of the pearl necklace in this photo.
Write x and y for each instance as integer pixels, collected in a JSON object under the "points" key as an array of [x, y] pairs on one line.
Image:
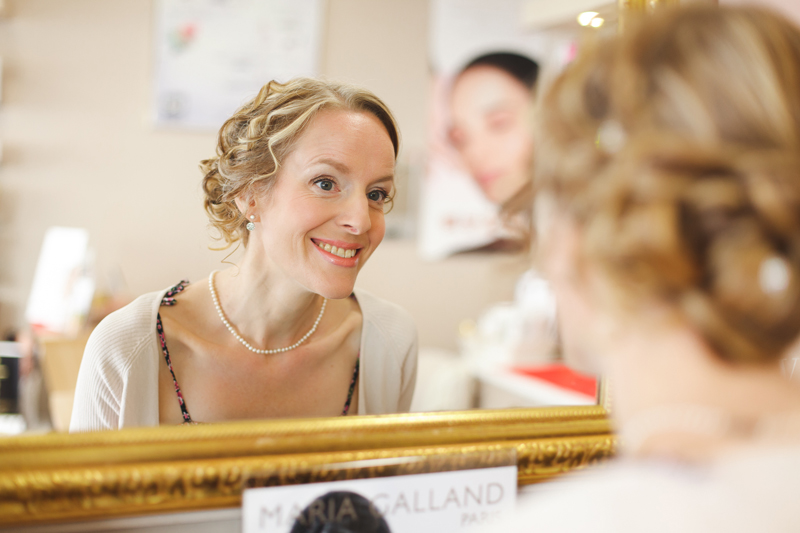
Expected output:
{"points": [[247, 344]]}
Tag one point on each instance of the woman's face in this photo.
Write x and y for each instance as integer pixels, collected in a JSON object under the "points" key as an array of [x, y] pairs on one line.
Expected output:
{"points": [[489, 110], [324, 216]]}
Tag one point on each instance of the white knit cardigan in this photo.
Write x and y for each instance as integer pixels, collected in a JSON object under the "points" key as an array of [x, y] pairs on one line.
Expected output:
{"points": [[118, 379]]}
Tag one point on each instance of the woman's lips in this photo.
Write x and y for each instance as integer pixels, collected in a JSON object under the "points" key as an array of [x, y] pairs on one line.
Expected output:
{"points": [[338, 252], [488, 178]]}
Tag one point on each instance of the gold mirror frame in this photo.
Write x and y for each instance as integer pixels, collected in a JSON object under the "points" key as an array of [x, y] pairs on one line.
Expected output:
{"points": [[58, 477]]}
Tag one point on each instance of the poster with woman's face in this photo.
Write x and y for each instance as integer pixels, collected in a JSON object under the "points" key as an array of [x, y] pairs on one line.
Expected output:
{"points": [[489, 105], [486, 72]]}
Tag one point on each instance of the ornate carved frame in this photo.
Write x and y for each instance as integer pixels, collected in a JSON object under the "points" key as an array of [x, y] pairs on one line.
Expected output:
{"points": [[58, 477]]}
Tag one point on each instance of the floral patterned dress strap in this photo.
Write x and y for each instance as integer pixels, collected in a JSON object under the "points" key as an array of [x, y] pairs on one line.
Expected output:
{"points": [[352, 387], [169, 300]]}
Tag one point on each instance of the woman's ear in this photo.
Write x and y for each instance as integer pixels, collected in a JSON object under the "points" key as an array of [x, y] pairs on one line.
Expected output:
{"points": [[577, 315], [246, 203], [561, 248]]}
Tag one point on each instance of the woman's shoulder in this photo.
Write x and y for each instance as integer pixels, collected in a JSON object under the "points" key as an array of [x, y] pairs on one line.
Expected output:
{"points": [[115, 386], [120, 333], [385, 318], [388, 356], [627, 495]]}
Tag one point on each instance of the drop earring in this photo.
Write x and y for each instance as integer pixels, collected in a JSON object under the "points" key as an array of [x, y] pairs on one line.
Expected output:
{"points": [[250, 226]]}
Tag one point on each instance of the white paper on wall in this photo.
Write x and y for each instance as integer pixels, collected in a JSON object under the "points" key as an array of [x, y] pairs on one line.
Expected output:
{"points": [[213, 55], [62, 288]]}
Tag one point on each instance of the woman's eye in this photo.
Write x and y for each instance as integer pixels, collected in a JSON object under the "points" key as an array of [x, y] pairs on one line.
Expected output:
{"points": [[457, 138], [377, 195], [325, 185], [500, 121]]}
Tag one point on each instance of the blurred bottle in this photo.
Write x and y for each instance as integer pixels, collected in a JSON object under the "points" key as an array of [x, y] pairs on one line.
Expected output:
{"points": [[521, 332]]}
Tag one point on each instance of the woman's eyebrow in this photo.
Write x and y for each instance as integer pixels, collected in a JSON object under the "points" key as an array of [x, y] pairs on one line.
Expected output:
{"points": [[344, 169], [338, 165], [385, 178], [499, 107]]}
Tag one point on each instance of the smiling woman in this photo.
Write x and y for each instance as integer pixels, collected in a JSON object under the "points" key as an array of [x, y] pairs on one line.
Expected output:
{"points": [[302, 178]]}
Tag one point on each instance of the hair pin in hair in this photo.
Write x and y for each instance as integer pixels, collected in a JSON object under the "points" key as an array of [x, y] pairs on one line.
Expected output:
{"points": [[773, 275], [611, 136]]}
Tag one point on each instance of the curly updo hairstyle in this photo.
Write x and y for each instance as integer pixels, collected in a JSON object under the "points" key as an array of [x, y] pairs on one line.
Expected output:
{"points": [[254, 141], [676, 149]]}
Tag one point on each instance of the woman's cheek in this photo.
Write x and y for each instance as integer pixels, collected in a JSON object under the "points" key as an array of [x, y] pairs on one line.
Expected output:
{"points": [[378, 227], [519, 146]]}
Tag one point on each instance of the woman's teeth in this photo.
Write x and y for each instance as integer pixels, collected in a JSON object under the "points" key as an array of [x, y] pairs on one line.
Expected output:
{"points": [[341, 252]]}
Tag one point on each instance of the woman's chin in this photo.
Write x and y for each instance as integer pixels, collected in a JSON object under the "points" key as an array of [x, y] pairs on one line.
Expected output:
{"points": [[503, 188], [335, 292]]}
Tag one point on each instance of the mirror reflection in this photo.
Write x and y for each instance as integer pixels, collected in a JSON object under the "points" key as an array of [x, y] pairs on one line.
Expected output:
{"points": [[102, 203]]}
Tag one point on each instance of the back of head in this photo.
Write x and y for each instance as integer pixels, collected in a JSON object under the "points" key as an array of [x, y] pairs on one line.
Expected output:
{"points": [[259, 135], [676, 148], [340, 512]]}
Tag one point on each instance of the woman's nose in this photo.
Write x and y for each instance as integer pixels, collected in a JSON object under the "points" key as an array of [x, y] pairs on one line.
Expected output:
{"points": [[477, 153], [356, 216]]}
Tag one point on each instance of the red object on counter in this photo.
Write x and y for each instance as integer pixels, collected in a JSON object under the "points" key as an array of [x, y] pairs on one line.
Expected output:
{"points": [[561, 376]]}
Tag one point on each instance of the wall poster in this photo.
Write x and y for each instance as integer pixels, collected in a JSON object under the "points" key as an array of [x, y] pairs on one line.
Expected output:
{"points": [[486, 66]]}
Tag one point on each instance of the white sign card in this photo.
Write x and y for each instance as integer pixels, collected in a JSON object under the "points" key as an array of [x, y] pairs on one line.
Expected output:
{"points": [[465, 500], [214, 55]]}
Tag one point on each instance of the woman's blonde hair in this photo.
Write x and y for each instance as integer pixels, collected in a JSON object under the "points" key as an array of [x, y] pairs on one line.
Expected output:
{"points": [[260, 134], [676, 148]]}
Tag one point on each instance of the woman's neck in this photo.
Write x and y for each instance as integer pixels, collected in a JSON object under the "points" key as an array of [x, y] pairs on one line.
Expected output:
{"points": [[267, 308], [658, 377]]}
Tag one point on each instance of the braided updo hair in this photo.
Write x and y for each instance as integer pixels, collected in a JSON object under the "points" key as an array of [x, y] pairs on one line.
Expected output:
{"points": [[260, 134], [676, 149]]}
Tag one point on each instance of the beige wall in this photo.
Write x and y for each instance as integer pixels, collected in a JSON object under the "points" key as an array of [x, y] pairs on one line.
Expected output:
{"points": [[79, 150], [789, 8]]}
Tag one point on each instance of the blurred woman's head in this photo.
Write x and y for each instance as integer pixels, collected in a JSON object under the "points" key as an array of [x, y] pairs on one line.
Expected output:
{"points": [[670, 157], [489, 109]]}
